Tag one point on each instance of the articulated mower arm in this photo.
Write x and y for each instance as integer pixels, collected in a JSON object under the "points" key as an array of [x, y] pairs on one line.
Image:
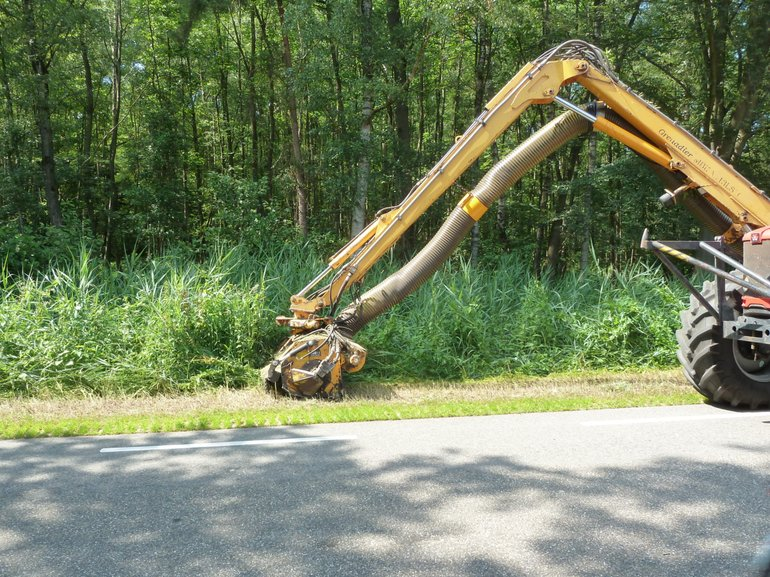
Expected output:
{"points": [[663, 143], [313, 359]]}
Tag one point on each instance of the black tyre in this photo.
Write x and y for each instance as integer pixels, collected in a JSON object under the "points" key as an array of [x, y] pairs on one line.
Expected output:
{"points": [[725, 371]]}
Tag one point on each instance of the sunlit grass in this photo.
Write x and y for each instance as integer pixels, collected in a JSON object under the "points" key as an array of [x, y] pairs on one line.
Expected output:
{"points": [[254, 408], [182, 323]]}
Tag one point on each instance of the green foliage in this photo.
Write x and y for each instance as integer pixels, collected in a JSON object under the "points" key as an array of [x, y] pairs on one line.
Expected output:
{"points": [[167, 324], [203, 159], [480, 322], [174, 324], [204, 144]]}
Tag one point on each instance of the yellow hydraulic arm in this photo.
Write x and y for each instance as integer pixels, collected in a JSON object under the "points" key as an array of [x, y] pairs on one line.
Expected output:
{"points": [[539, 82], [312, 360]]}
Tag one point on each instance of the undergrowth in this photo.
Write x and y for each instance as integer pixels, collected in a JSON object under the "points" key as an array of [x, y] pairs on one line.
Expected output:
{"points": [[468, 323], [177, 323]]}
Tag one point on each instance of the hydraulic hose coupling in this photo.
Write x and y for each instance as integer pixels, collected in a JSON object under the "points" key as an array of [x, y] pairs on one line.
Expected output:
{"points": [[311, 364]]}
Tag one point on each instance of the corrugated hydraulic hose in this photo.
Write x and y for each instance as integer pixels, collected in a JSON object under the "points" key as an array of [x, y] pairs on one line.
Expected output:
{"points": [[495, 183]]}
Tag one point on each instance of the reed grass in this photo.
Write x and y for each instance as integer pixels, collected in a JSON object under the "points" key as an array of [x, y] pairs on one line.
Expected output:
{"points": [[180, 323]]}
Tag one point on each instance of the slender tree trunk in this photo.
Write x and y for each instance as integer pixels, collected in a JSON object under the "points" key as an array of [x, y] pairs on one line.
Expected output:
{"points": [[545, 182], [402, 153], [482, 74], [457, 100], [335, 56], [755, 69], [585, 251], [12, 157], [40, 62], [545, 36], [296, 149], [194, 125], [11, 161], [271, 120], [86, 162], [403, 149], [367, 109], [712, 19], [251, 72], [440, 97], [117, 79], [228, 157], [554, 251]]}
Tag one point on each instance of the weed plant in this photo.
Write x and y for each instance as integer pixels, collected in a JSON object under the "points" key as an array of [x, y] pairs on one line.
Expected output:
{"points": [[469, 323], [177, 323]]}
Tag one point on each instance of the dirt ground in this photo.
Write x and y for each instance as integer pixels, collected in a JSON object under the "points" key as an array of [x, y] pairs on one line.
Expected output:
{"points": [[600, 385]]}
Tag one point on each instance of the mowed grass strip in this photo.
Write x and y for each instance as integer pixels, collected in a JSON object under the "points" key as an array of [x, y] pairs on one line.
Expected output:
{"points": [[225, 409]]}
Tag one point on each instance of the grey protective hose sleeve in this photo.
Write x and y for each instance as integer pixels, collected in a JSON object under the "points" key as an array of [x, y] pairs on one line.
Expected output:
{"points": [[495, 183]]}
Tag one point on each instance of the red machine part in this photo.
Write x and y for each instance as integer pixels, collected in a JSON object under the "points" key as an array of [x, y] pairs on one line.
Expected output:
{"points": [[756, 256]]}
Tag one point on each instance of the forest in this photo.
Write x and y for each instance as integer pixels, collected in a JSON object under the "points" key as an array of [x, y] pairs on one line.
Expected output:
{"points": [[134, 131], [140, 125]]}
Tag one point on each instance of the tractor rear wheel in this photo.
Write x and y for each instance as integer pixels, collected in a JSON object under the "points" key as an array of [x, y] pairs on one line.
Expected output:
{"points": [[725, 371]]}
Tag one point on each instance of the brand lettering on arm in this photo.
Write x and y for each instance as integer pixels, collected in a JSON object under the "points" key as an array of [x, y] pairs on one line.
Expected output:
{"points": [[705, 166]]}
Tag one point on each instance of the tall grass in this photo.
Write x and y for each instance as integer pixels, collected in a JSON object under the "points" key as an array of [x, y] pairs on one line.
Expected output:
{"points": [[176, 324], [167, 324], [471, 323]]}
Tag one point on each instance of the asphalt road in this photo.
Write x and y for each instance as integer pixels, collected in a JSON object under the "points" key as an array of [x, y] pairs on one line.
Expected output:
{"points": [[669, 492]]}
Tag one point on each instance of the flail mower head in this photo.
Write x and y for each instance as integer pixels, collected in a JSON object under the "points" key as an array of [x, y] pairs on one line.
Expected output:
{"points": [[311, 364]]}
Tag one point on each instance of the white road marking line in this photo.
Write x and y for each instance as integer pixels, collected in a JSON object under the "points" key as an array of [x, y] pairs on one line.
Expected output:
{"points": [[284, 441], [674, 419]]}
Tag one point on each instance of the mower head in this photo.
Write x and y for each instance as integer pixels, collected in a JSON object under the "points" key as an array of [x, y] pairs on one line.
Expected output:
{"points": [[311, 364]]}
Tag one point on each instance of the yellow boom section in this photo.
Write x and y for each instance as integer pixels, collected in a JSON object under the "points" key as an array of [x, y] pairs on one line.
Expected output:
{"points": [[539, 82], [719, 182]]}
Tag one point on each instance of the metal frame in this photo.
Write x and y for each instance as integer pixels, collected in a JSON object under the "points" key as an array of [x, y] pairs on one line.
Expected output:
{"points": [[744, 328]]}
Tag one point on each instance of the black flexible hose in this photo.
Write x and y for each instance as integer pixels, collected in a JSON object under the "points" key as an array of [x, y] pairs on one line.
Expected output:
{"points": [[704, 212], [492, 186]]}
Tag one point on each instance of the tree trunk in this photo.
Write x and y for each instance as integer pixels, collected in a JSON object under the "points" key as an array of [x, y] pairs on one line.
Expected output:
{"points": [[296, 149], [403, 149], [755, 69], [40, 62], [335, 56], [367, 110], [482, 74], [13, 132], [194, 125], [553, 253], [440, 97], [86, 163], [585, 251], [228, 157], [271, 121], [251, 72], [712, 21], [545, 182], [110, 244]]}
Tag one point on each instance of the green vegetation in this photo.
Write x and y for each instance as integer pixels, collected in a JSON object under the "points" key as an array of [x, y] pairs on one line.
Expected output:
{"points": [[205, 154], [143, 126], [225, 409], [174, 324], [474, 323]]}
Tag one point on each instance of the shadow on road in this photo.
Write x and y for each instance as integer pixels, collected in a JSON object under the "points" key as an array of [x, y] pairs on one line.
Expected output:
{"points": [[314, 510]]}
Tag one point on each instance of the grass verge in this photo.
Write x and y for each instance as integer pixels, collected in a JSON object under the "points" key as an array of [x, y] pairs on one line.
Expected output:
{"points": [[225, 409]]}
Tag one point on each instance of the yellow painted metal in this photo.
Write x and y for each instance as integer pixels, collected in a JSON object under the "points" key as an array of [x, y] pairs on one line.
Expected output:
{"points": [[721, 184], [633, 142], [538, 83], [355, 244], [473, 206]]}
